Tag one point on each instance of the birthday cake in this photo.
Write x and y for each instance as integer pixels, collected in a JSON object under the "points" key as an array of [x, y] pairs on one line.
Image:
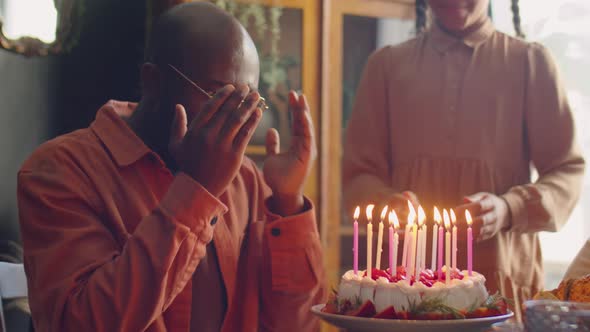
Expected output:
{"points": [[395, 297], [411, 291]]}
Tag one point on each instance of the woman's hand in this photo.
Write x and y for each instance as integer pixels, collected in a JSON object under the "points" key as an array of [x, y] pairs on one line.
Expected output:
{"points": [[489, 212]]}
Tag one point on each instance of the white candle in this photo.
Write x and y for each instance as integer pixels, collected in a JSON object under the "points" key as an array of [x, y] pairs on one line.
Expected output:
{"points": [[437, 219], [393, 244], [406, 245], [380, 238], [413, 241], [355, 241], [447, 246], [423, 259], [454, 237], [369, 212], [418, 252]]}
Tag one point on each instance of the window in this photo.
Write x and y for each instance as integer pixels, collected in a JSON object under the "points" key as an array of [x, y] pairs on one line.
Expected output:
{"points": [[33, 18], [563, 27]]}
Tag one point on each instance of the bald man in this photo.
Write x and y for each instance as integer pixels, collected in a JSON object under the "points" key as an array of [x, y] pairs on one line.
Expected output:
{"points": [[152, 219]]}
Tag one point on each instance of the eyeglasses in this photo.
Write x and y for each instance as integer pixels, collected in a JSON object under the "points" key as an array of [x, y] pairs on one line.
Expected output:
{"points": [[261, 102]]}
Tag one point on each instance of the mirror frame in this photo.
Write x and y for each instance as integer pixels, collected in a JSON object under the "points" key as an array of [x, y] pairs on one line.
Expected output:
{"points": [[69, 19]]}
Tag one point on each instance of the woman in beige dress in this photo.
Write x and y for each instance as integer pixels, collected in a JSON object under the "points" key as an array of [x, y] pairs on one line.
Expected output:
{"points": [[457, 116]]}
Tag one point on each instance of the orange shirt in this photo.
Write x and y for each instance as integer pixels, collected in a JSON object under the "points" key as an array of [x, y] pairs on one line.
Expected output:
{"points": [[112, 240]]}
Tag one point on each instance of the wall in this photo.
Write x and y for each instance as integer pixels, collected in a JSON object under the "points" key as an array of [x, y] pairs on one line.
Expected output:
{"points": [[27, 100], [43, 97]]}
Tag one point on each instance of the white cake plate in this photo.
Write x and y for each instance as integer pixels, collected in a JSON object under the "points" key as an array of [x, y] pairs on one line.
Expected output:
{"points": [[360, 324]]}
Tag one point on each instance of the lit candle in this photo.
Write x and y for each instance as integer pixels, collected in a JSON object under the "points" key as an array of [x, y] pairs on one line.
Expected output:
{"points": [[447, 246], [422, 239], [369, 213], [380, 238], [406, 245], [437, 218], [407, 237], [469, 243], [355, 239], [454, 237], [441, 244], [393, 241], [414, 241]]}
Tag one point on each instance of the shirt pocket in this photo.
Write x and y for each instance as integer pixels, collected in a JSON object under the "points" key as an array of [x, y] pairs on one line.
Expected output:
{"points": [[297, 270]]}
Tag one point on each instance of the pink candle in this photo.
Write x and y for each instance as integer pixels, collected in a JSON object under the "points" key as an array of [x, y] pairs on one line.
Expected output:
{"points": [[469, 243], [413, 250], [441, 244], [454, 237], [355, 241], [422, 241], [391, 267], [437, 238], [369, 213]]}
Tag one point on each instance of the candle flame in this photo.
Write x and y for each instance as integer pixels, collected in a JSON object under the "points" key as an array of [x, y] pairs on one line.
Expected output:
{"points": [[446, 219], [468, 218], [384, 212], [369, 212], [453, 217], [357, 212], [437, 216], [412, 214], [393, 219], [421, 216]]}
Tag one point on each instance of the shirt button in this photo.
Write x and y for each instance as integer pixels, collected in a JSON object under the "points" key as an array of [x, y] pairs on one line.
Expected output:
{"points": [[275, 231], [213, 221]]}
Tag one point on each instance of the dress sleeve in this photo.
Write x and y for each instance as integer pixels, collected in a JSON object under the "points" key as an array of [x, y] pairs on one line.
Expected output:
{"points": [[367, 157], [80, 277], [550, 132]]}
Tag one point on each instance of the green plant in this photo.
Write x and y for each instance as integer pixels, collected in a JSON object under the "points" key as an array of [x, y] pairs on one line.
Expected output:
{"points": [[264, 25]]}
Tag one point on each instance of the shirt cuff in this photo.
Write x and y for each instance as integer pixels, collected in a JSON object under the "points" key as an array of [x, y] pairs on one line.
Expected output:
{"points": [[516, 204], [190, 204], [291, 230]]}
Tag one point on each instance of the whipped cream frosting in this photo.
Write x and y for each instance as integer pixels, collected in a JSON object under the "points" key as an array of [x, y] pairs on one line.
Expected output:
{"points": [[460, 294]]}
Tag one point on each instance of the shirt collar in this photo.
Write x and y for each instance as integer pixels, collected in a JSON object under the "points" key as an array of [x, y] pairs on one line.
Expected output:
{"points": [[122, 142], [443, 41]]}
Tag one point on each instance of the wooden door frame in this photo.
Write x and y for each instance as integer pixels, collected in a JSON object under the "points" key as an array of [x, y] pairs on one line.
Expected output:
{"points": [[331, 115]]}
